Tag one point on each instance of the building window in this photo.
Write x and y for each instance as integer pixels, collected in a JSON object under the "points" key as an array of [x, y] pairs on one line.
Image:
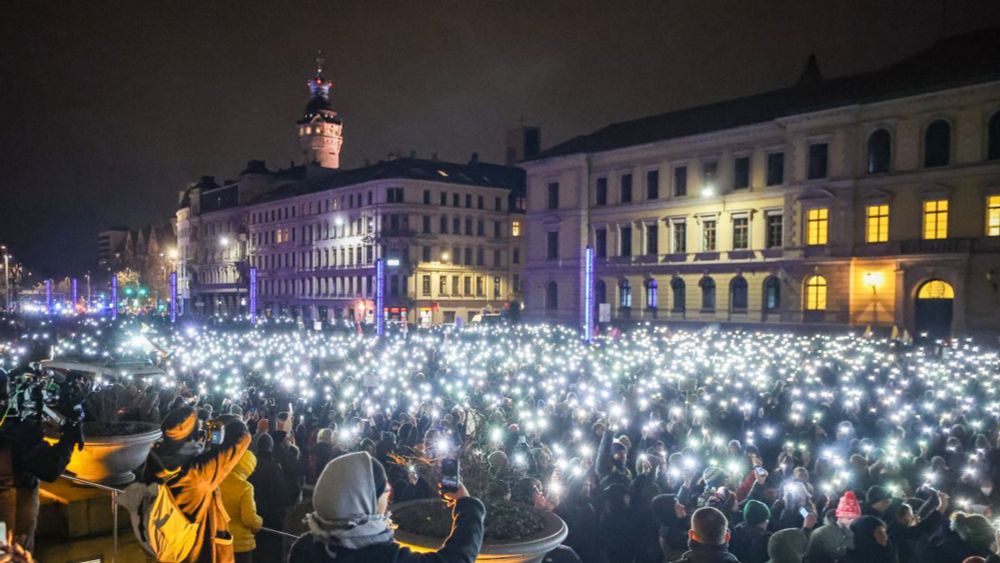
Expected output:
{"points": [[651, 294], [468, 257], [817, 222], [625, 242], [444, 225], [515, 228], [626, 188], [454, 285], [775, 168], [426, 224], [468, 226], [816, 293], [679, 238], [553, 195], [879, 151], [652, 239], [708, 232], [480, 257], [680, 181], [741, 233], [877, 227], [772, 294], [443, 285], [653, 184], [624, 294], [600, 293], [456, 225], [709, 174], [601, 192], [480, 228], [707, 294], [427, 197], [936, 219], [553, 245], [601, 243], [479, 202], [678, 289], [394, 285], [498, 203], [456, 200], [425, 285], [551, 296], [741, 173], [468, 286], [480, 290], [468, 201], [993, 216], [937, 144], [993, 138], [496, 287], [444, 199], [496, 258], [774, 230], [515, 256], [515, 283], [738, 294], [817, 160], [426, 254]]}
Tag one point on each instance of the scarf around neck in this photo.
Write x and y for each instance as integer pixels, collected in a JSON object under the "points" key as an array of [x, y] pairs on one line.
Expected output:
{"points": [[344, 504]]}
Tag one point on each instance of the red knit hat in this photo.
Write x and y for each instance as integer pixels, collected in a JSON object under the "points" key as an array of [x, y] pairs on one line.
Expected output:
{"points": [[848, 506]]}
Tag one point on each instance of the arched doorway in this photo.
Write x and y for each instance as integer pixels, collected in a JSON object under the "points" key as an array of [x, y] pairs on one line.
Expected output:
{"points": [[935, 300]]}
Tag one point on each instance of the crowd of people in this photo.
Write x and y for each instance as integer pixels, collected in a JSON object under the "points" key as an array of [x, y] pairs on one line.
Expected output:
{"points": [[652, 445]]}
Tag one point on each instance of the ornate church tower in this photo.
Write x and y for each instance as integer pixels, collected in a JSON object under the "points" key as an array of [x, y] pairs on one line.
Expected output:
{"points": [[320, 130]]}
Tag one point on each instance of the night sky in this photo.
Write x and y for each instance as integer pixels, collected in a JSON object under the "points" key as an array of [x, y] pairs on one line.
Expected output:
{"points": [[108, 109]]}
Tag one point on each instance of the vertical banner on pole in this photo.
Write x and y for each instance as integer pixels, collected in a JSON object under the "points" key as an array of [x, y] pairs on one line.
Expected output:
{"points": [[253, 296], [173, 297], [48, 296], [114, 297], [75, 295], [379, 297], [588, 294]]}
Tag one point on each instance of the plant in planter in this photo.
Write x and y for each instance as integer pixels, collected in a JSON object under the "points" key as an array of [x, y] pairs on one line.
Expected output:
{"points": [[513, 532]]}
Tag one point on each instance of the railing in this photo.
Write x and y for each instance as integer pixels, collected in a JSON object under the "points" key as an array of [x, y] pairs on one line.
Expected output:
{"points": [[114, 512]]}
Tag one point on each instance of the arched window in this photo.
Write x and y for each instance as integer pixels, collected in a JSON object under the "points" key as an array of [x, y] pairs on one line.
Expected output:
{"points": [[993, 138], [937, 144], [772, 294], [738, 293], [551, 295], [816, 293], [707, 294], [651, 291], [679, 292], [936, 289], [600, 292], [624, 294], [879, 151]]}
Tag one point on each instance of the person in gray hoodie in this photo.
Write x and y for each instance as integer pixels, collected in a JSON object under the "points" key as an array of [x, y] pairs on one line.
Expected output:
{"points": [[787, 546]]}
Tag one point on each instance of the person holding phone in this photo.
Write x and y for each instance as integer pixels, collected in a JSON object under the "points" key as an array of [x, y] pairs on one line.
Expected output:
{"points": [[350, 518]]}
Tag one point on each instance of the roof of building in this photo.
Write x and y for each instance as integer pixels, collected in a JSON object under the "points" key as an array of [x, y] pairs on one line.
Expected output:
{"points": [[473, 174], [961, 60]]}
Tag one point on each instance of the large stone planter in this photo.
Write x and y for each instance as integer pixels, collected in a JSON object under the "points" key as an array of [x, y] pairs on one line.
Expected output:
{"points": [[110, 460], [529, 549]]}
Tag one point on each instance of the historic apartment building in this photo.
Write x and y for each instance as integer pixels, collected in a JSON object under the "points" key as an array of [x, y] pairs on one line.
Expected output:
{"points": [[871, 199], [450, 234]]}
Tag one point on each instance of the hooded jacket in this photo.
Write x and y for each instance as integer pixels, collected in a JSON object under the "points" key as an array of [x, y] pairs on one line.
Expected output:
{"points": [[700, 553], [237, 498]]}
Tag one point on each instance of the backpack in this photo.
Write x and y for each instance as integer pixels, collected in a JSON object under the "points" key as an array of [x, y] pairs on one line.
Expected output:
{"points": [[161, 528]]}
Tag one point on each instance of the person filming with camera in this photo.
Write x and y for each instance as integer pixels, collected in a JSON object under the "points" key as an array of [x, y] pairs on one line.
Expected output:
{"points": [[350, 519]]}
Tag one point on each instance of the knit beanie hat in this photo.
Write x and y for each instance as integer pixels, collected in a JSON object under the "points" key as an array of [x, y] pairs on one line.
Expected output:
{"points": [[787, 546], [848, 507], [324, 436], [713, 476], [179, 424], [756, 512], [875, 494], [265, 443], [974, 529]]}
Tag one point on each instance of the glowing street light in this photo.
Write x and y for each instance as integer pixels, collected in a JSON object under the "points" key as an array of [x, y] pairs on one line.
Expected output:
{"points": [[224, 241]]}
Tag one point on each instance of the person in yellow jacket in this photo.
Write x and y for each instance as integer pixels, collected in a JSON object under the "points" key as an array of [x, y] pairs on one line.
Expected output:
{"points": [[237, 498]]}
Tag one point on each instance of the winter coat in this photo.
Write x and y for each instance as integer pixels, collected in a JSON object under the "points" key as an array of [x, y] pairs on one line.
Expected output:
{"points": [[195, 486], [749, 543], [904, 539], [673, 530], [581, 519], [945, 546], [237, 498], [269, 490], [462, 546], [700, 553]]}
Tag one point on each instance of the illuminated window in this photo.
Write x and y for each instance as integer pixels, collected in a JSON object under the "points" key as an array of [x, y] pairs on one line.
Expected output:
{"points": [[816, 293], [877, 223], [936, 219], [936, 289], [993, 216], [515, 228], [817, 223]]}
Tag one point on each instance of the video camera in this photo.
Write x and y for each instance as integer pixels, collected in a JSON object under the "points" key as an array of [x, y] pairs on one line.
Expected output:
{"points": [[35, 394]]}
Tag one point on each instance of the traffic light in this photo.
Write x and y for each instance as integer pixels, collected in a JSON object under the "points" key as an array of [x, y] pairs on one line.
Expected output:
{"points": [[128, 291], [142, 291]]}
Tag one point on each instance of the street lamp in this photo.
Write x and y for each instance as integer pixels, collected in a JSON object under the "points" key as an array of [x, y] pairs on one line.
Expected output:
{"points": [[708, 190], [873, 280], [224, 241]]}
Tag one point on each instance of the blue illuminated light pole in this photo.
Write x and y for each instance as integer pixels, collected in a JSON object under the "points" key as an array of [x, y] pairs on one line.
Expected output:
{"points": [[588, 294], [379, 297], [114, 297], [75, 296], [48, 296], [253, 296], [173, 297]]}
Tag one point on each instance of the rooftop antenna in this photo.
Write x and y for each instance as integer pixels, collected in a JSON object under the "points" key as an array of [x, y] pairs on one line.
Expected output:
{"points": [[320, 61]]}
